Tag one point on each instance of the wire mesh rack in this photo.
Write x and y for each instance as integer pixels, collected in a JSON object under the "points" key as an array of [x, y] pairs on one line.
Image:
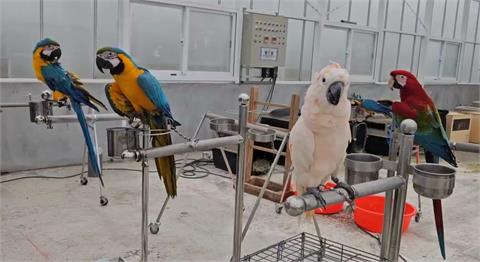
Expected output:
{"points": [[308, 247]]}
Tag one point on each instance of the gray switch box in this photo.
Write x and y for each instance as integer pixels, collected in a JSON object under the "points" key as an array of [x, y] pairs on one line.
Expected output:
{"points": [[264, 40]]}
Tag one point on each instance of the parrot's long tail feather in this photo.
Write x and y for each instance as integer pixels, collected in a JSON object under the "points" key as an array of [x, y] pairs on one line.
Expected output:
{"points": [[92, 153], [437, 211], [98, 102], [443, 150], [165, 165]]}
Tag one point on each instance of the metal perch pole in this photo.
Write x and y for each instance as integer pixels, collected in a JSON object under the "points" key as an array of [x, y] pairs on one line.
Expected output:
{"points": [[408, 128], [89, 117], [201, 145], [388, 209], [296, 205], [181, 148], [240, 182], [154, 227], [145, 154], [145, 185]]}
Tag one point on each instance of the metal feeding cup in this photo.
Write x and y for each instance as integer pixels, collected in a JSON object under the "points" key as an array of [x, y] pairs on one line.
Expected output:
{"points": [[223, 125], [40, 110], [433, 180], [361, 167], [262, 136], [121, 139]]}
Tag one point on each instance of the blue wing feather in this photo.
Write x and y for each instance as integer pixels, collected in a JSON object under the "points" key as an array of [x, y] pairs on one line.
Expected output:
{"points": [[375, 106], [58, 79], [92, 153], [154, 92]]}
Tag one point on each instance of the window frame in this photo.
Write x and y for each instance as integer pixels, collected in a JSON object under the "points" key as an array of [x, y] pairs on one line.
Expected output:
{"points": [[183, 74], [94, 43], [441, 62], [475, 43], [351, 29], [377, 27]]}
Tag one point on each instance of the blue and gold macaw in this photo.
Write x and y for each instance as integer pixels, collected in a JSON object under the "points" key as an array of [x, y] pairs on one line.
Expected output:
{"points": [[137, 93], [66, 85]]}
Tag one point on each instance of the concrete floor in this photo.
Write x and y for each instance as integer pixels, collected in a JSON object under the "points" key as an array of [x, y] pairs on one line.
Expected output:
{"points": [[60, 220]]}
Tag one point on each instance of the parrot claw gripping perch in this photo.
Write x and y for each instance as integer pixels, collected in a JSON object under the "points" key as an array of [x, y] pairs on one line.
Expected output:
{"points": [[346, 187], [350, 196], [316, 192]]}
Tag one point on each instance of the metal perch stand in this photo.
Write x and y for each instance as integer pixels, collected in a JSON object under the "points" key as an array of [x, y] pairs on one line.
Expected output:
{"points": [[191, 146], [42, 112], [155, 226], [433, 181]]}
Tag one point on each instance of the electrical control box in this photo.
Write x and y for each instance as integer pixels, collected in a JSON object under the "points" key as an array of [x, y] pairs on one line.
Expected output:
{"points": [[264, 41]]}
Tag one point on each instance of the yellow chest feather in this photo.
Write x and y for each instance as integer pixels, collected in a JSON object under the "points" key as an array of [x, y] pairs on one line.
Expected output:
{"points": [[128, 85], [37, 64]]}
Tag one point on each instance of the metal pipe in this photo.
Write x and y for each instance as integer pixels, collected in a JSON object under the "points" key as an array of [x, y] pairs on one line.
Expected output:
{"points": [[181, 148], [145, 173], [408, 128], [197, 130], [239, 186], [84, 161], [465, 147], [296, 205], [8, 105], [264, 187], [89, 117], [388, 210]]}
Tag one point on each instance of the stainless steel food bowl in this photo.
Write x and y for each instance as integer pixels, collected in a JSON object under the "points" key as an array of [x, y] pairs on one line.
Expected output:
{"points": [[266, 136], [361, 167], [433, 180]]}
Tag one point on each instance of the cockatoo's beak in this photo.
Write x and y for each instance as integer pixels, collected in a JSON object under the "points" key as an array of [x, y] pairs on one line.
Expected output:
{"points": [[334, 92]]}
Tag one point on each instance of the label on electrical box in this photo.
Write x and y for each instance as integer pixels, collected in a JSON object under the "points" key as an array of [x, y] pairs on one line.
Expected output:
{"points": [[268, 54]]}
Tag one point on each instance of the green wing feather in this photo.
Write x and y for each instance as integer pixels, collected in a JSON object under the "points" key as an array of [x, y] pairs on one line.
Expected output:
{"points": [[119, 103], [432, 136]]}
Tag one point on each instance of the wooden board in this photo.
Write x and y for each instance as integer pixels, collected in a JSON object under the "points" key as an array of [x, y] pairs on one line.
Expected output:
{"points": [[273, 191], [253, 185]]}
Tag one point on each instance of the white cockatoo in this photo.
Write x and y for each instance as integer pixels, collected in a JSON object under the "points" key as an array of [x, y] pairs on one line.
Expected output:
{"points": [[320, 137]]}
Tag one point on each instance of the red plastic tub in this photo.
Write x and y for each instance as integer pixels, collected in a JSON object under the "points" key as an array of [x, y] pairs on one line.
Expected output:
{"points": [[330, 209], [368, 213]]}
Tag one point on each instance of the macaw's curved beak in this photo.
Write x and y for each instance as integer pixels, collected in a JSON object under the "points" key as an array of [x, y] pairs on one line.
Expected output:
{"points": [[56, 54], [51, 54], [391, 82], [334, 92], [103, 64]]}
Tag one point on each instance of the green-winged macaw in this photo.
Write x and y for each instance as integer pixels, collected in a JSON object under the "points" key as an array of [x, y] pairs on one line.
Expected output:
{"points": [[65, 85], [417, 105], [137, 93]]}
